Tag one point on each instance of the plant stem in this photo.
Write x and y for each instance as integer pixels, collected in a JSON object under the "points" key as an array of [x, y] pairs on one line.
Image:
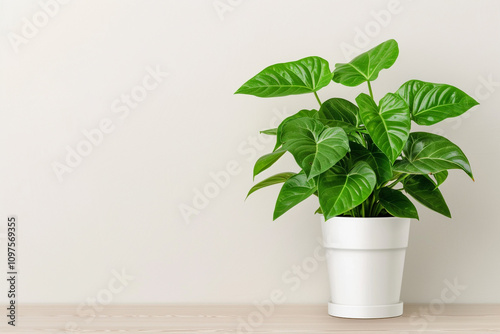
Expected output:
{"points": [[370, 88], [399, 179], [372, 205], [317, 98]]}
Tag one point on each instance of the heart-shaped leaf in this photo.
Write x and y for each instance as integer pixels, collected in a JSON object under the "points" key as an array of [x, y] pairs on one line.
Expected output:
{"points": [[275, 179], [367, 66], [306, 75], [302, 113], [340, 110], [339, 193], [429, 153], [388, 124], [397, 204], [266, 161], [377, 160], [295, 190], [425, 191], [431, 103], [314, 147]]}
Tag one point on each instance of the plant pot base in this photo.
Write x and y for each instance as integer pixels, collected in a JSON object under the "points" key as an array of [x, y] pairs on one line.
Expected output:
{"points": [[365, 311]]}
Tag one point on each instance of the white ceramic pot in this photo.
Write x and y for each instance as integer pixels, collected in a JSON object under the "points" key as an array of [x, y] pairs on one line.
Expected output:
{"points": [[365, 258]]}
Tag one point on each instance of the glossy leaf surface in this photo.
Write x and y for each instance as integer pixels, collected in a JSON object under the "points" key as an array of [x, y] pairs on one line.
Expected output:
{"points": [[429, 153], [431, 103], [340, 192], [397, 204], [295, 190], [347, 127], [302, 113], [377, 160], [315, 147], [440, 177], [306, 75], [367, 65], [275, 179], [425, 191], [388, 124], [340, 110], [266, 161]]}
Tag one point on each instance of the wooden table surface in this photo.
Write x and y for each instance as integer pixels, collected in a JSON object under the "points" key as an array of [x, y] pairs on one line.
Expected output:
{"points": [[219, 319]]}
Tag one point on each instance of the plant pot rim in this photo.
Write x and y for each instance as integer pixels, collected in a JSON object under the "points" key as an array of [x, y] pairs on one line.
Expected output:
{"points": [[365, 233], [365, 218]]}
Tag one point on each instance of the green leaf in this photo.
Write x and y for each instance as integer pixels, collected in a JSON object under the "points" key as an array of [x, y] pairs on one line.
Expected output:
{"points": [[425, 191], [339, 193], [431, 103], [271, 132], [340, 110], [367, 66], [306, 75], [302, 113], [429, 153], [347, 127], [275, 179], [388, 124], [440, 177], [266, 161], [314, 147], [377, 160], [397, 204], [356, 137], [295, 190]]}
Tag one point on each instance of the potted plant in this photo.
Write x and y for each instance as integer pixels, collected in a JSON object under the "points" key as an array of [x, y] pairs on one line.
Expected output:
{"points": [[360, 159]]}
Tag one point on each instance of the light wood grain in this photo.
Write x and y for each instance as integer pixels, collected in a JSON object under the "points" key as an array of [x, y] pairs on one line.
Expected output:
{"points": [[222, 319]]}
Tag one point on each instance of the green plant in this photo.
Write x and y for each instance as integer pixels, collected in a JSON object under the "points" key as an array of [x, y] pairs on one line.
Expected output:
{"points": [[353, 155]]}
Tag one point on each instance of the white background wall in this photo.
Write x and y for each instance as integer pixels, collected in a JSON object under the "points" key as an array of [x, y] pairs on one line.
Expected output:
{"points": [[119, 208]]}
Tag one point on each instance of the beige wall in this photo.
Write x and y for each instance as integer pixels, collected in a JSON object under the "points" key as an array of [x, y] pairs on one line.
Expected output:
{"points": [[119, 207]]}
